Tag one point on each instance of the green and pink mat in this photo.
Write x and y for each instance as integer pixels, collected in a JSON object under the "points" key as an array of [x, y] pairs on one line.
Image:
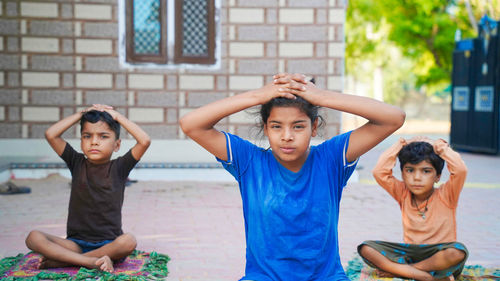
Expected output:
{"points": [[142, 266], [139, 266], [358, 270]]}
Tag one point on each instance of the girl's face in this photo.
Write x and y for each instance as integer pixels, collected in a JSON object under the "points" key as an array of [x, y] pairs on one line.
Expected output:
{"points": [[289, 131]]}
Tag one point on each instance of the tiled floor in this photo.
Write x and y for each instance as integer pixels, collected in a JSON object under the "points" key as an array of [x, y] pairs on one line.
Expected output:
{"points": [[199, 223]]}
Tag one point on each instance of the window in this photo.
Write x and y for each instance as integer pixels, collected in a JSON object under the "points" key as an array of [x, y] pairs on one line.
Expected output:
{"points": [[170, 31]]}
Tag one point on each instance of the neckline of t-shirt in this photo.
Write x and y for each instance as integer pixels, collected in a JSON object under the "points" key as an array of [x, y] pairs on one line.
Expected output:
{"points": [[422, 204], [96, 165], [289, 172]]}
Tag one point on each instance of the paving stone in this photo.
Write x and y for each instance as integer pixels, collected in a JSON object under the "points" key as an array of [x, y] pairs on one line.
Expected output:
{"points": [[199, 224]]}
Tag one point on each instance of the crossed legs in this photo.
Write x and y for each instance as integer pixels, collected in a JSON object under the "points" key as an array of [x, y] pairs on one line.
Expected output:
{"points": [[419, 271], [58, 252]]}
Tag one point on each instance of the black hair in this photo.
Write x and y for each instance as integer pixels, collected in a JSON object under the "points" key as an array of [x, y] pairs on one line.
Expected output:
{"points": [[309, 109], [416, 152], [94, 116]]}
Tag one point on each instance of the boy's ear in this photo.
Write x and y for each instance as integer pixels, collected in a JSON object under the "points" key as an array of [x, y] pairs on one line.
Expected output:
{"points": [[438, 177], [265, 130], [118, 142]]}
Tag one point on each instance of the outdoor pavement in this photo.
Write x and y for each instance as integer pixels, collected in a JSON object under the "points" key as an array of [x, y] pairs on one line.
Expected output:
{"points": [[199, 223]]}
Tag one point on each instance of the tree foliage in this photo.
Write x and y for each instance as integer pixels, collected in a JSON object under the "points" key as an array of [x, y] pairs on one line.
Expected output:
{"points": [[420, 34]]}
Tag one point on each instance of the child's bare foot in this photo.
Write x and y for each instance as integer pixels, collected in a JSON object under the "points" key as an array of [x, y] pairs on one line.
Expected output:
{"points": [[46, 263], [105, 264]]}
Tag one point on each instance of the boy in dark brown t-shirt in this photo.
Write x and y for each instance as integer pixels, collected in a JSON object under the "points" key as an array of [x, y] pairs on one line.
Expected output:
{"points": [[94, 229]]}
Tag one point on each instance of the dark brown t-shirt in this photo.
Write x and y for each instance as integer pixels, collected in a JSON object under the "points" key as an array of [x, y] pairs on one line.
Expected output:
{"points": [[95, 204]]}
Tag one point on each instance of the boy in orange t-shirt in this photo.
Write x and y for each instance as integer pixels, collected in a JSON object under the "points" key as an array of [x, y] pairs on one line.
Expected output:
{"points": [[430, 251]]}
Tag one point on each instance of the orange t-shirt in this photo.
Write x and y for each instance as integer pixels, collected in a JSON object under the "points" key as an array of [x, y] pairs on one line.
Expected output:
{"points": [[439, 225]]}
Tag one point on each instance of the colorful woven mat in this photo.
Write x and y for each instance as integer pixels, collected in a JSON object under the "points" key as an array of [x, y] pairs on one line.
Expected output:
{"points": [[139, 266], [358, 270]]}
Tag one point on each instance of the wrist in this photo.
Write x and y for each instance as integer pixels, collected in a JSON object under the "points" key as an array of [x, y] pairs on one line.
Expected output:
{"points": [[318, 97], [258, 97], [440, 146], [117, 116]]}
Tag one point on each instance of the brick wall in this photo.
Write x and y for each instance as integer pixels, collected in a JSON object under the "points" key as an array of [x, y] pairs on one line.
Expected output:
{"points": [[59, 56]]}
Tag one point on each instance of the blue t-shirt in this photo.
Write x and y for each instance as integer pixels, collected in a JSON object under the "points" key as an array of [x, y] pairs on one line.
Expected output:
{"points": [[291, 218]]}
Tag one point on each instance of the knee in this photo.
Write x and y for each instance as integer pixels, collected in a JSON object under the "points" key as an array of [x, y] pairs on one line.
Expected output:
{"points": [[33, 238], [453, 255], [127, 242], [365, 250], [374, 258], [367, 253]]}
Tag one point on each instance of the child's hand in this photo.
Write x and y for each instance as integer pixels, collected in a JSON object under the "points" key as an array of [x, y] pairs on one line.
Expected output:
{"points": [[284, 78], [90, 108], [98, 107], [292, 84], [271, 91], [107, 108], [298, 85], [420, 139], [101, 107]]}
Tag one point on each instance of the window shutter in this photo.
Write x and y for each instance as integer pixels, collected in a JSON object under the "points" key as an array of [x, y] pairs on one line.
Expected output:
{"points": [[146, 33], [195, 36]]}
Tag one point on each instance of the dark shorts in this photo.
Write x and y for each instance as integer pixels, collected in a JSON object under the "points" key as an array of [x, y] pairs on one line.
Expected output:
{"points": [[89, 246], [412, 253]]}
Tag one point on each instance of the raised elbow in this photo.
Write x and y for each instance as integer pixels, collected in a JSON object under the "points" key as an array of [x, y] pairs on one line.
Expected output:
{"points": [[184, 123], [376, 174], [49, 135], [146, 142], [399, 118], [462, 170], [380, 172]]}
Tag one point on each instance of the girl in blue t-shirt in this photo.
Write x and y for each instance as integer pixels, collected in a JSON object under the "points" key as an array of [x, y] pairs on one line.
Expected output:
{"points": [[291, 192]]}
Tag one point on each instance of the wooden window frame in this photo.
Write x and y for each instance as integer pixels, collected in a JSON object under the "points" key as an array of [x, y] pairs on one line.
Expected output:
{"points": [[163, 57], [179, 37], [132, 57]]}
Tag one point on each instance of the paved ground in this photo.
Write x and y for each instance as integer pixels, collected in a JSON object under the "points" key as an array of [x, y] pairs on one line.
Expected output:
{"points": [[199, 224]]}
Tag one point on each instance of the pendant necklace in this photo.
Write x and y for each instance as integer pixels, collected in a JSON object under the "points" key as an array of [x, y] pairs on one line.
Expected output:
{"points": [[421, 213]]}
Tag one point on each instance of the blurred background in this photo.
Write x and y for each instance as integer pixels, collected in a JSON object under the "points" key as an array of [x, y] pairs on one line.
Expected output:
{"points": [[401, 52]]}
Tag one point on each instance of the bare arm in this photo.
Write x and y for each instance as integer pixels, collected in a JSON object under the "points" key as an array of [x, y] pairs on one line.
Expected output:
{"points": [[54, 132], [457, 168], [382, 172], [199, 123], [142, 138], [383, 119]]}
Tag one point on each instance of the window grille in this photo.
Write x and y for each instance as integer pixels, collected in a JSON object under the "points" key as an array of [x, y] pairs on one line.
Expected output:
{"points": [[147, 26]]}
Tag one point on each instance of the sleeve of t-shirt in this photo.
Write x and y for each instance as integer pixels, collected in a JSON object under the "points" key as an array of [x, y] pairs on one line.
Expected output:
{"points": [[70, 156], [450, 190], [126, 163], [335, 149], [239, 155], [382, 172]]}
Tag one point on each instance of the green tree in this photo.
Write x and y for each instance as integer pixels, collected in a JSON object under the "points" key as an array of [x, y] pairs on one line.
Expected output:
{"points": [[423, 31], [368, 48]]}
